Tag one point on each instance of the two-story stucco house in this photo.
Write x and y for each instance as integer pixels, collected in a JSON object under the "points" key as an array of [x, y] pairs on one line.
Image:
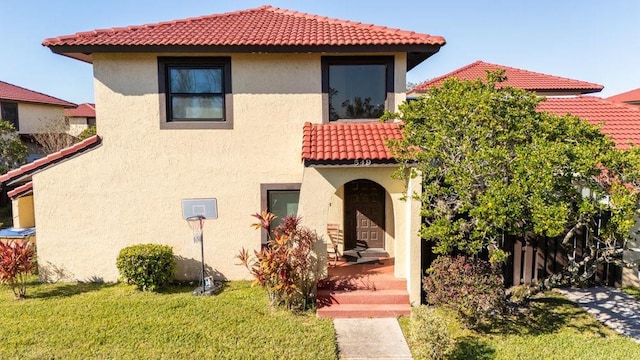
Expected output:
{"points": [[222, 106]]}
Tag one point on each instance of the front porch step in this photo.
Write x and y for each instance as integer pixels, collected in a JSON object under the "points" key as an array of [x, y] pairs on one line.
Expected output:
{"points": [[363, 310], [327, 297], [363, 291], [351, 283]]}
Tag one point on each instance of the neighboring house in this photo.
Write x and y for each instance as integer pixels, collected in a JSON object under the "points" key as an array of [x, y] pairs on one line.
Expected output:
{"points": [[631, 97], [219, 107], [541, 84], [80, 118], [30, 112]]}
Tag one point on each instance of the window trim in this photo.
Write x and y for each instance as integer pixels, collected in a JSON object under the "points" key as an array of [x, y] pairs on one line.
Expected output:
{"points": [[13, 104], [327, 61], [264, 200], [164, 63]]}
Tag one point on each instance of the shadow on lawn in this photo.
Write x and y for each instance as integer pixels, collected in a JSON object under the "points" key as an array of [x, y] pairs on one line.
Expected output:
{"points": [[469, 347], [544, 316], [67, 290]]}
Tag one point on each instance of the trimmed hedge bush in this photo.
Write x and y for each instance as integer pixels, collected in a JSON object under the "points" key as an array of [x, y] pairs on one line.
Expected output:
{"points": [[148, 266], [472, 287], [428, 335]]}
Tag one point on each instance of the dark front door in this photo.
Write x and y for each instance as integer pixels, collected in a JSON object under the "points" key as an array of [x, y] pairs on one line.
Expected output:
{"points": [[364, 214]]}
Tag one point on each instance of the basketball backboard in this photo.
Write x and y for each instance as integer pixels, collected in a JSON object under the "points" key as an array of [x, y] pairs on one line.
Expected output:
{"points": [[207, 208]]}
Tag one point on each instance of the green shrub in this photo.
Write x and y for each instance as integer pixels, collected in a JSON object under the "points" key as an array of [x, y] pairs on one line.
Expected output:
{"points": [[472, 287], [148, 266], [428, 334], [87, 133]]}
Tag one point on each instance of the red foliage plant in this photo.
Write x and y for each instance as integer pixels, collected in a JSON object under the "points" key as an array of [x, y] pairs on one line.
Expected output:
{"points": [[286, 268], [17, 261]]}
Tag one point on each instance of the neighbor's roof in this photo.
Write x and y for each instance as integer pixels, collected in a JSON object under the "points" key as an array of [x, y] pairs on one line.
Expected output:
{"points": [[21, 190], [348, 141], [627, 96], [17, 93], [83, 110], [264, 28], [619, 121], [518, 78], [25, 171]]}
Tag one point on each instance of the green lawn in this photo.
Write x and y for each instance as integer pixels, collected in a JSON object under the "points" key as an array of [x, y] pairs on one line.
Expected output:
{"points": [[80, 321], [553, 328], [633, 291]]}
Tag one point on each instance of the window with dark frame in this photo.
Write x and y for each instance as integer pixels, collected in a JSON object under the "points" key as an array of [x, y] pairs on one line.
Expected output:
{"points": [[281, 200], [9, 112], [357, 87], [196, 90]]}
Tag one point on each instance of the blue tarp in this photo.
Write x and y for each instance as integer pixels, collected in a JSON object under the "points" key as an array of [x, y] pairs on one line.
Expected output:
{"points": [[17, 233]]}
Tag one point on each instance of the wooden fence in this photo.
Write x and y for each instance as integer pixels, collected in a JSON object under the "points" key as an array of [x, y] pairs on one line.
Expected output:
{"points": [[535, 260]]}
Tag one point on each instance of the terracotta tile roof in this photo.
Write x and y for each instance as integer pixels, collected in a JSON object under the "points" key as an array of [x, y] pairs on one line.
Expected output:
{"points": [[17, 93], [264, 28], [21, 190], [264, 25], [348, 141], [51, 159], [627, 96], [83, 110], [517, 78], [620, 121]]}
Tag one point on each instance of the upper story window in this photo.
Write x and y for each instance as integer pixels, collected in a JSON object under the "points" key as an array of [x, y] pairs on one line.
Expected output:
{"points": [[9, 112], [357, 87], [196, 92]]}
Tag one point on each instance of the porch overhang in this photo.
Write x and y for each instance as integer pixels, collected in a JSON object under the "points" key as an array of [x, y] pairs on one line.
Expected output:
{"points": [[349, 144]]}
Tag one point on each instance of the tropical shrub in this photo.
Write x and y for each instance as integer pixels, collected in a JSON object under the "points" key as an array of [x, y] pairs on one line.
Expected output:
{"points": [[287, 267], [472, 287], [148, 266], [87, 133], [428, 334], [17, 261]]}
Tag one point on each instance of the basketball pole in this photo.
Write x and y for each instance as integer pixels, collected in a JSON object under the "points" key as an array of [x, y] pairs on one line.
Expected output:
{"points": [[202, 259]]}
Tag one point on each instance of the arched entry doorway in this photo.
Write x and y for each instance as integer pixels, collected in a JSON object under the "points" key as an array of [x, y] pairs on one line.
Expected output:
{"points": [[364, 215]]}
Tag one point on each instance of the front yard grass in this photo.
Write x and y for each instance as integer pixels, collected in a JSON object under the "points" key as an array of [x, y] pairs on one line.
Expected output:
{"points": [[115, 321], [553, 328]]}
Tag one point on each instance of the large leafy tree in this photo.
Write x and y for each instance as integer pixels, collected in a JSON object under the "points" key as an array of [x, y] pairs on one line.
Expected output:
{"points": [[13, 152], [493, 165]]}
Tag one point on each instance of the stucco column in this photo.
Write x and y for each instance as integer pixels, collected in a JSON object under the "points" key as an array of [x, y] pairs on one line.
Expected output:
{"points": [[315, 195], [413, 241]]}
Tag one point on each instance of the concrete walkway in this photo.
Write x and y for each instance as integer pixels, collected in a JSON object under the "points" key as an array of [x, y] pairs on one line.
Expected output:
{"points": [[371, 338], [614, 308]]}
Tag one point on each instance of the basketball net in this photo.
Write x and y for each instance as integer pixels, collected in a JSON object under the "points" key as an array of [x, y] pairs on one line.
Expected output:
{"points": [[195, 223]]}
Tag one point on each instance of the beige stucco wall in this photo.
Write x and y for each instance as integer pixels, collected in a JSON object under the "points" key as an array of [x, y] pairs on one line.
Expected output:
{"points": [[23, 214], [76, 125], [128, 190], [35, 118]]}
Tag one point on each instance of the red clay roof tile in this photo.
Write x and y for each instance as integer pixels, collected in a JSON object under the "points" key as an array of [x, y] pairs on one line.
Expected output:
{"points": [[262, 26], [348, 141], [50, 159], [517, 78], [627, 96], [21, 190], [83, 110], [619, 121], [17, 93]]}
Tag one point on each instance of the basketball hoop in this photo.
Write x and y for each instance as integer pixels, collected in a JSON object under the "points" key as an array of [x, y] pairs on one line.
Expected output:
{"points": [[196, 211], [195, 223]]}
